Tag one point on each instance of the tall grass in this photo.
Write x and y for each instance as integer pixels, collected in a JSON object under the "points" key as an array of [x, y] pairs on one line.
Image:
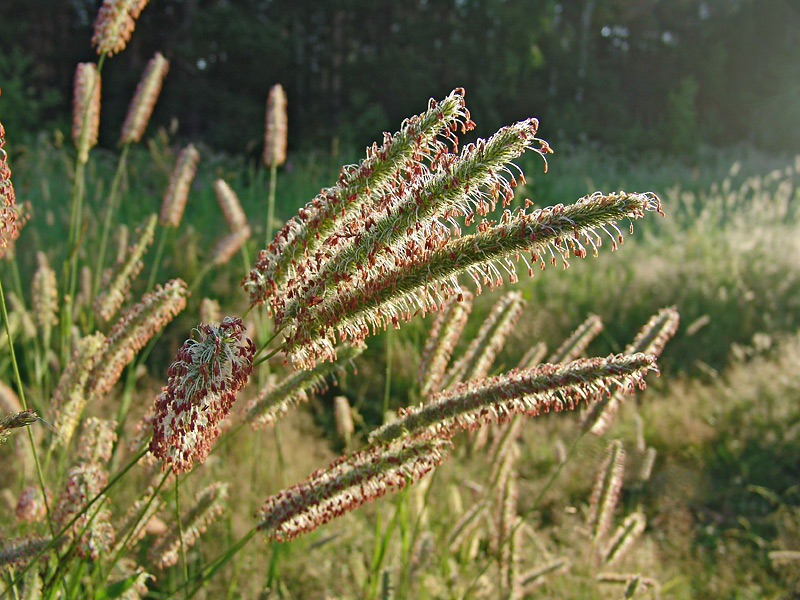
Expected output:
{"points": [[122, 440]]}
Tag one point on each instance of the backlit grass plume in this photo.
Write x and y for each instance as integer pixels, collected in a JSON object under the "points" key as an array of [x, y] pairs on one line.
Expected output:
{"points": [[203, 382], [230, 205], [177, 192], [115, 23], [144, 99], [403, 252], [358, 185], [276, 128], [133, 330], [490, 339], [542, 389], [651, 339], [8, 210], [112, 296], [445, 333], [347, 484], [275, 401], [44, 293], [208, 505], [86, 109]]}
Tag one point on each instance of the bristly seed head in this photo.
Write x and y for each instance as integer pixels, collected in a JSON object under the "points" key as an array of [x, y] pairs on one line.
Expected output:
{"points": [[8, 211], [85, 109], [144, 100], [115, 23], [201, 388]]}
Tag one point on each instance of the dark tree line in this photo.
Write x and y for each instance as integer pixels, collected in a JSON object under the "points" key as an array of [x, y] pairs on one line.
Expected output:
{"points": [[663, 74]]}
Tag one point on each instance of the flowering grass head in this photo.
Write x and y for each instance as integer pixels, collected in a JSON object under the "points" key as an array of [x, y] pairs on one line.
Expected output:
{"points": [[8, 211], [210, 368], [115, 23]]}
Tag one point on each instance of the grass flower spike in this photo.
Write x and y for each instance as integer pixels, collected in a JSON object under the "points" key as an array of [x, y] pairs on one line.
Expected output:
{"points": [[201, 389], [8, 212], [544, 388], [277, 127], [144, 100], [115, 23], [445, 333], [401, 153], [44, 292], [347, 484], [275, 401], [108, 301], [208, 505], [71, 395], [230, 205], [134, 329], [177, 191], [86, 109]]}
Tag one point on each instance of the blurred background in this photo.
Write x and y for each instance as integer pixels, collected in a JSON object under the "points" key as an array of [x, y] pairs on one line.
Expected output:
{"points": [[638, 75]]}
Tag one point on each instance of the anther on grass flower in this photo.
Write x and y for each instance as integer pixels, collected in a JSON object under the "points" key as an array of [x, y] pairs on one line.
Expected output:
{"points": [[229, 245], [144, 100], [445, 333], [44, 293], [71, 394], [92, 528], [85, 109], [208, 505], [97, 440], [8, 211], [546, 387], [347, 484], [115, 23], [275, 401], [400, 155], [111, 298], [16, 421], [177, 192], [230, 205], [201, 388], [133, 330], [277, 127], [30, 505]]}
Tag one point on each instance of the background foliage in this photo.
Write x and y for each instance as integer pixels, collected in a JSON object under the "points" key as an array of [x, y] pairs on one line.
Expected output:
{"points": [[644, 74]]}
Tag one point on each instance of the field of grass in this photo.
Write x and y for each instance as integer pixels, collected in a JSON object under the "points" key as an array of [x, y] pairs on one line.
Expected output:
{"points": [[717, 515]]}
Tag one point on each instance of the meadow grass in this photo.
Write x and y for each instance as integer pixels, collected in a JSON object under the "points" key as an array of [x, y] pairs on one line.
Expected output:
{"points": [[688, 490]]}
